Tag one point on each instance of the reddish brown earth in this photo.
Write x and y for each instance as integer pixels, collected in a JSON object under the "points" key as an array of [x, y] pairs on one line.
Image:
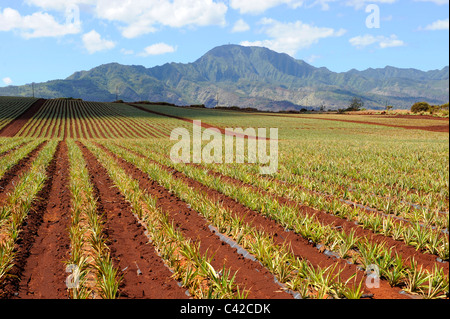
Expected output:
{"points": [[301, 247], [406, 251], [44, 274], [11, 150], [431, 128], [15, 284], [130, 248], [11, 177], [15, 126], [250, 275], [410, 116]]}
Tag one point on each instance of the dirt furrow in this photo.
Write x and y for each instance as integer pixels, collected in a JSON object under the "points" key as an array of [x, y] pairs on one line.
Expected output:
{"points": [[250, 275], [10, 178], [301, 247], [15, 126], [427, 260], [29, 233], [144, 274], [44, 274], [431, 128]]}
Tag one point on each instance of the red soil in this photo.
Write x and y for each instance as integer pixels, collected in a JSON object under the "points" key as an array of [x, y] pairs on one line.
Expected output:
{"points": [[130, 248], [250, 275], [431, 128], [44, 274], [11, 177], [15, 126], [301, 247], [407, 251], [37, 270]]}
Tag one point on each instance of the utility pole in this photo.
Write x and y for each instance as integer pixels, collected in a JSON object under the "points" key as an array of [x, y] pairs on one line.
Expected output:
{"points": [[217, 99], [32, 86], [117, 93]]}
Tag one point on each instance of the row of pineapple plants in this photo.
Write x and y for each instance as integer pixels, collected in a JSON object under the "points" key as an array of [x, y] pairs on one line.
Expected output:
{"points": [[19, 203], [346, 244], [190, 267], [296, 273], [96, 275]]}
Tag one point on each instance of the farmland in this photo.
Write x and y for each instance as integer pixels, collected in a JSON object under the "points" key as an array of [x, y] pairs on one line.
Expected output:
{"points": [[93, 207]]}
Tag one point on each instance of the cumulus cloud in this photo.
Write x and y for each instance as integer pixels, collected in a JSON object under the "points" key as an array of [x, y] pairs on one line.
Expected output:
{"points": [[359, 4], [259, 6], [158, 49], [240, 26], [438, 25], [37, 25], [382, 41], [291, 37], [59, 5], [438, 2], [93, 42], [7, 81], [126, 52], [140, 17]]}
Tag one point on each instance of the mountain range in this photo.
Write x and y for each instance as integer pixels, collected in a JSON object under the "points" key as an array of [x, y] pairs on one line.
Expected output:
{"points": [[233, 75]]}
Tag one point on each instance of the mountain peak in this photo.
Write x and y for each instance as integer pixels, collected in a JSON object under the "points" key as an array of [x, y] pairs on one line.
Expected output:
{"points": [[249, 76]]}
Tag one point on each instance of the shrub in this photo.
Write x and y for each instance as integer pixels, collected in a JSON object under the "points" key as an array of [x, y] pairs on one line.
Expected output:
{"points": [[420, 107], [356, 104]]}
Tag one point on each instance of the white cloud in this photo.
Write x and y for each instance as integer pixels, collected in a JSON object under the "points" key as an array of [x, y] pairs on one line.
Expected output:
{"points": [[93, 42], [359, 4], [324, 4], [291, 37], [59, 5], [438, 25], [241, 26], [144, 16], [391, 42], [382, 41], [312, 58], [36, 25], [7, 81], [158, 49], [259, 6], [438, 2], [126, 52]]}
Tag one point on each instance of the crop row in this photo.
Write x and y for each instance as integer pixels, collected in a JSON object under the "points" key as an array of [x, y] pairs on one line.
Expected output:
{"points": [[18, 205], [362, 250], [193, 269], [408, 171], [12, 107], [89, 256], [335, 239], [420, 236], [100, 279], [76, 119], [12, 158]]}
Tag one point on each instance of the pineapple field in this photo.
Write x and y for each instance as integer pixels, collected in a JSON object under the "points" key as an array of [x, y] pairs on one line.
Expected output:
{"points": [[92, 206]]}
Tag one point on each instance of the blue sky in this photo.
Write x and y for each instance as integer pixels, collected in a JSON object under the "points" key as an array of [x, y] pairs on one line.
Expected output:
{"points": [[42, 40]]}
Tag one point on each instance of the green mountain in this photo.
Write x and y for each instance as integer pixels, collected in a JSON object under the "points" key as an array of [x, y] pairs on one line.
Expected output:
{"points": [[233, 75]]}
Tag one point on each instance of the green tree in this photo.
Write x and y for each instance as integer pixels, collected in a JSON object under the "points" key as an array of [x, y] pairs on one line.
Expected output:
{"points": [[356, 104], [420, 107]]}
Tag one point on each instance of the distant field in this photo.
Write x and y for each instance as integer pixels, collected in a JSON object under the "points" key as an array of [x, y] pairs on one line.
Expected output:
{"points": [[92, 186]]}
